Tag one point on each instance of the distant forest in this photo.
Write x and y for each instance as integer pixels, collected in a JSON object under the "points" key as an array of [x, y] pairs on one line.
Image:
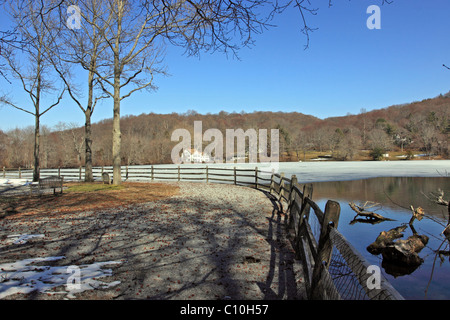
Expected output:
{"points": [[405, 129]]}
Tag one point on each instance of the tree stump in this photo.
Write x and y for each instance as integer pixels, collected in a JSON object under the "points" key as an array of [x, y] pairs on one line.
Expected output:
{"points": [[106, 178], [406, 251], [384, 239]]}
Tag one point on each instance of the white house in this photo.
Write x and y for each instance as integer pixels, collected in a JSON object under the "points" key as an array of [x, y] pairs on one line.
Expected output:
{"points": [[193, 155]]}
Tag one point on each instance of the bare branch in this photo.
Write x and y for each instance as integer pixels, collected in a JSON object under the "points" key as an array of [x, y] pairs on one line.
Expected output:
{"points": [[6, 101], [55, 104]]}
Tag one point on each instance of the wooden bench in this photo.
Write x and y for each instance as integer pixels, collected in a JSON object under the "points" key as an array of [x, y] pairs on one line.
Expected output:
{"points": [[53, 182]]}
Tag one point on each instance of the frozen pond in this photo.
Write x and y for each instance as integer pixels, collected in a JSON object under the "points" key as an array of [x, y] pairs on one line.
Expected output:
{"points": [[305, 171], [354, 170]]}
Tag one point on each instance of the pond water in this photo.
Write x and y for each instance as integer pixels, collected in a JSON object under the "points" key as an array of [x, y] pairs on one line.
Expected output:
{"points": [[430, 280]]}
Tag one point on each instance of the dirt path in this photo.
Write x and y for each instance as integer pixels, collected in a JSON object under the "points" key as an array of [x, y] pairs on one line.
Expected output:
{"points": [[209, 242]]}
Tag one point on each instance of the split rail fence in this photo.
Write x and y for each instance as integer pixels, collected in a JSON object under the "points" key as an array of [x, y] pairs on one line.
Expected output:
{"points": [[332, 267]]}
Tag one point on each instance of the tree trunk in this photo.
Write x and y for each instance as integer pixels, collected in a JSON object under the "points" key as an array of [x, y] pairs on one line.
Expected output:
{"points": [[116, 125], [116, 117], [37, 134], [88, 175], [36, 170]]}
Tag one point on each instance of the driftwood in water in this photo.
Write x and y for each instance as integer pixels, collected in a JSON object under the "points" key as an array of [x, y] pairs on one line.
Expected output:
{"points": [[400, 252], [417, 213], [384, 239], [361, 211], [439, 198], [441, 201], [406, 251]]}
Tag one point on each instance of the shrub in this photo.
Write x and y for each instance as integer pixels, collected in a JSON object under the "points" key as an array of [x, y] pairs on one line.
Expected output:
{"points": [[377, 153]]}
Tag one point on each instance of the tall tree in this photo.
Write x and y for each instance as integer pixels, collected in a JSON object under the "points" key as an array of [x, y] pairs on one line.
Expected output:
{"points": [[134, 32], [137, 30], [79, 50], [129, 31], [35, 75]]}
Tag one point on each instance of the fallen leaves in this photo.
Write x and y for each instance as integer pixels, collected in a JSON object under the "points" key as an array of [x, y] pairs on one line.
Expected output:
{"points": [[73, 201], [202, 241]]}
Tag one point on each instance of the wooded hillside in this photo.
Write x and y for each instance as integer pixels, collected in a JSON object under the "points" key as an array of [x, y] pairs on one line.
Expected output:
{"points": [[406, 129]]}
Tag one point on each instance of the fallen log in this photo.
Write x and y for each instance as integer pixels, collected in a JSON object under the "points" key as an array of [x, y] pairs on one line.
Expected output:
{"points": [[361, 211], [406, 251], [384, 239]]}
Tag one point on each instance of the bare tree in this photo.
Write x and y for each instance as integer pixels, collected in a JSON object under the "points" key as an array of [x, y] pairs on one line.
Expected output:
{"points": [[81, 50], [19, 147], [134, 33], [379, 139], [73, 141], [129, 31], [35, 76], [301, 144]]}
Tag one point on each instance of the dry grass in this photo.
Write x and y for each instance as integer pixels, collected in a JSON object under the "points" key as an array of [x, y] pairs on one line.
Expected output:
{"points": [[84, 197]]}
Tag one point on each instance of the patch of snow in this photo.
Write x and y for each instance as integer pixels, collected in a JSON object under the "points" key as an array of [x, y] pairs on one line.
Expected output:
{"points": [[14, 182], [25, 277], [23, 238]]}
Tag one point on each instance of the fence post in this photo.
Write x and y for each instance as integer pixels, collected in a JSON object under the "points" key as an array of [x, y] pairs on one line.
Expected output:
{"points": [[207, 177], [304, 210], [80, 174], [126, 174], [281, 194], [325, 247], [272, 181], [4, 173], [307, 193], [152, 172], [292, 218], [59, 172], [20, 174], [235, 175], [256, 177], [294, 182], [178, 173]]}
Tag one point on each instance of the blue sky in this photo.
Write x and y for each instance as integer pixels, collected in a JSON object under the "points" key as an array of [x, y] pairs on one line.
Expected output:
{"points": [[347, 67]]}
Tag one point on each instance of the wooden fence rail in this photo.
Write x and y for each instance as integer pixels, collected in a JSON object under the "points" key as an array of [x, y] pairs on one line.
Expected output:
{"points": [[324, 252]]}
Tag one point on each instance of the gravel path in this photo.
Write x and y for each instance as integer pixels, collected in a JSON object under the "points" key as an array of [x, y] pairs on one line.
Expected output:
{"points": [[209, 242]]}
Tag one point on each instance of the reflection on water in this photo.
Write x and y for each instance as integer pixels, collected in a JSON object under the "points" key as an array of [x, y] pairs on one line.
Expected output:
{"points": [[393, 193], [431, 278]]}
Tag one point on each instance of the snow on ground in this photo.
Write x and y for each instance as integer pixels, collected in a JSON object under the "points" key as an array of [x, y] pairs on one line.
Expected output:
{"points": [[4, 182], [29, 275], [22, 238]]}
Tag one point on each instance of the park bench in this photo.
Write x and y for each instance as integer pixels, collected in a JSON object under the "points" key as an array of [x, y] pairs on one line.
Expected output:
{"points": [[52, 182]]}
